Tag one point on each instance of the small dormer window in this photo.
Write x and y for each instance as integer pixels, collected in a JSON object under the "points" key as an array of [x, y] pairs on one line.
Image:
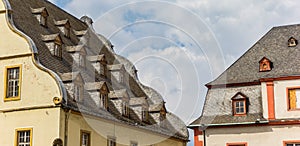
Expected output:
{"points": [[125, 108], [82, 58], [41, 14], [292, 42], [54, 44], [64, 26], [239, 104], [76, 92], [117, 71], [57, 50], [104, 100], [265, 64], [145, 114]]}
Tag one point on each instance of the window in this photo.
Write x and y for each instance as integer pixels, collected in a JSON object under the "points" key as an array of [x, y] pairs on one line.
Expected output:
{"points": [[67, 31], [239, 104], [292, 144], [111, 141], [102, 69], [292, 42], [145, 114], [57, 50], [43, 20], [77, 92], [103, 100], [239, 107], [85, 138], [125, 108], [133, 144], [24, 137], [294, 98], [265, 64], [82, 60], [13, 78]]}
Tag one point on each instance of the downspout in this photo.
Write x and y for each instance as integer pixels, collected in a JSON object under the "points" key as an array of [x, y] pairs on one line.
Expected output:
{"points": [[204, 137], [67, 115]]}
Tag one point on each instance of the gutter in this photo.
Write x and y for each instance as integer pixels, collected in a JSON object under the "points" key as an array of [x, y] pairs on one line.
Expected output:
{"points": [[228, 124]]}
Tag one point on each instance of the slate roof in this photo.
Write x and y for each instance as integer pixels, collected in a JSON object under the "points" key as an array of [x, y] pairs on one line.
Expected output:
{"points": [[244, 77], [274, 46], [83, 35]]}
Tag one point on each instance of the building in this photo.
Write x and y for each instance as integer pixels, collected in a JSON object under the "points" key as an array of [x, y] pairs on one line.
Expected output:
{"points": [[63, 85], [256, 100]]}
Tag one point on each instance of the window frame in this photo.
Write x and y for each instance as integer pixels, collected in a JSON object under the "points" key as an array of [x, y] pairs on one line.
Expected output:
{"points": [[235, 107], [111, 139], [125, 108], [57, 50], [103, 100], [288, 98], [82, 132], [23, 130], [13, 98], [291, 142]]}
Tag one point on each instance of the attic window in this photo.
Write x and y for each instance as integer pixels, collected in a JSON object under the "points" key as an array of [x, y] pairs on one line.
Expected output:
{"points": [[41, 14], [125, 108], [54, 44], [239, 104], [292, 42], [265, 65], [78, 92], [64, 26], [145, 114]]}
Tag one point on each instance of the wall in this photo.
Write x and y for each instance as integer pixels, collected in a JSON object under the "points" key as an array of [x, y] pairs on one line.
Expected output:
{"points": [[44, 122], [15, 50], [280, 99], [254, 136], [101, 128]]}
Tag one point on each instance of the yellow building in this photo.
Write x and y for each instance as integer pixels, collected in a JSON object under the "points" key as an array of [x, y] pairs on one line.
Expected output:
{"points": [[63, 85]]}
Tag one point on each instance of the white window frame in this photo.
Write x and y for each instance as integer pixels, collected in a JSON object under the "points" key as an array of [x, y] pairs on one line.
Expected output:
{"points": [[111, 141], [24, 137]]}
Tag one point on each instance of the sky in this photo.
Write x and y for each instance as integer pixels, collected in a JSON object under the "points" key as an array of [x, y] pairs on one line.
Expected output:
{"points": [[178, 46]]}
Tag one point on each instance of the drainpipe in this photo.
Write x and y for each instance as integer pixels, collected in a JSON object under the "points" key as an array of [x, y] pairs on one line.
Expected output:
{"points": [[203, 127], [67, 115]]}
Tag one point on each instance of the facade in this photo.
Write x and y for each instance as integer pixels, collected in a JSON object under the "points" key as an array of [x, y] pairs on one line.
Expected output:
{"points": [[256, 100], [63, 85]]}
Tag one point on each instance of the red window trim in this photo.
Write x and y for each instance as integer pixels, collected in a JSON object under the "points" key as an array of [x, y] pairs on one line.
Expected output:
{"points": [[237, 143], [290, 141]]}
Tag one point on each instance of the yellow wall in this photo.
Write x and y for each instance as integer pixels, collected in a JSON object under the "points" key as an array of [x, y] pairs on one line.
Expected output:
{"points": [[44, 123], [100, 129], [37, 87]]}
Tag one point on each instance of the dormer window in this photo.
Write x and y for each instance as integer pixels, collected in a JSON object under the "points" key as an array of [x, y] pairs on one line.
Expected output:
{"points": [[78, 53], [145, 114], [125, 108], [292, 42], [239, 104], [64, 26], [57, 50], [77, 92], [41, 14], [117, 71], [265, 65], [54, 44], [100, 64]]}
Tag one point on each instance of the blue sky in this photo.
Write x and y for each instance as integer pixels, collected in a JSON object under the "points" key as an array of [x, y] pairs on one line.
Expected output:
{"points": [[180, 45]]}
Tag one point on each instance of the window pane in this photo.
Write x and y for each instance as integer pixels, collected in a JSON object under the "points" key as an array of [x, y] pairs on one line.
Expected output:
{"points": [[12, 82]]}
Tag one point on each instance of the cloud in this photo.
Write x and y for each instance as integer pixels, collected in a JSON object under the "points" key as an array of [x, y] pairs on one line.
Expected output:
{"points": [[191, 41]]}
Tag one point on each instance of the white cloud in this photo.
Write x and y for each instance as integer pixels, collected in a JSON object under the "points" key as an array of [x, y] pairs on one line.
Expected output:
{"points": [[186, 35]]}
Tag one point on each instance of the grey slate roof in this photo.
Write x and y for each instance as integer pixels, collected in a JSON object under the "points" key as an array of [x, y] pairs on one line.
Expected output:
{"points": [[274, 46], [96, 47]]}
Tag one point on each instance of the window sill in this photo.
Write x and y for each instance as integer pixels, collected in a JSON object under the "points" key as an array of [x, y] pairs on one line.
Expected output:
{"points": [[12, 98]]}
